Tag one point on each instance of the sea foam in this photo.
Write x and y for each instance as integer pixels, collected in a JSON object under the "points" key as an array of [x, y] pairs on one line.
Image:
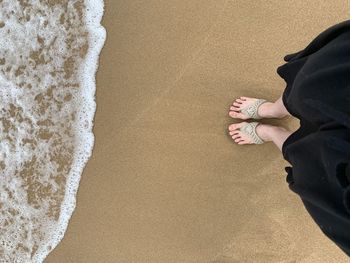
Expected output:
{"points": [[49, 54]]}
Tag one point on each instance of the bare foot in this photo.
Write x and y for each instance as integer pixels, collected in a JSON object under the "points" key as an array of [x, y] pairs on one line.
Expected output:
{"points": [[265, 110], [264, 131]]}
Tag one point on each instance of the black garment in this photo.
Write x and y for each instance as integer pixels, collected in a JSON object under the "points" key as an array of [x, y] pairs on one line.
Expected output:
{"points": [[318, 94]]}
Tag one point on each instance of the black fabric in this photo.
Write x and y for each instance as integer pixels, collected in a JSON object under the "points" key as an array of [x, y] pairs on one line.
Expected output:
{"points": [[318, 94]]}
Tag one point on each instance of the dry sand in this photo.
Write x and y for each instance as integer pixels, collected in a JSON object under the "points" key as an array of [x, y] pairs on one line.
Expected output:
{"points": [[166, 183]]}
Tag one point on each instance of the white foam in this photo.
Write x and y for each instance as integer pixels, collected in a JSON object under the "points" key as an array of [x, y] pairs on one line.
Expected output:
{"points": [[23, 144]]}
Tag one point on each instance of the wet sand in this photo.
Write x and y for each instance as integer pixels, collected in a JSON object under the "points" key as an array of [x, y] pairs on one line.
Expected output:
{"points": [[166, 183]]}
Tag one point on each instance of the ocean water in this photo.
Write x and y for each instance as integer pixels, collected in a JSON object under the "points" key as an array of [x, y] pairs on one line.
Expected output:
{"points": [[49, 52]]}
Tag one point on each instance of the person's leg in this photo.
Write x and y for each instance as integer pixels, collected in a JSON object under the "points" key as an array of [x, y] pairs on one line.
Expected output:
{"points": [[278, 135], [279, 106]]}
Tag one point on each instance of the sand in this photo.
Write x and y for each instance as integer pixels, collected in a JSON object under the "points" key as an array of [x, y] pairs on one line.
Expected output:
{"points": [[166, 183]]}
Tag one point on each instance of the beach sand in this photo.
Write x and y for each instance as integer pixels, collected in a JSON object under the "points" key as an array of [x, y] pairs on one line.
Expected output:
{"points": [[166, 183]]}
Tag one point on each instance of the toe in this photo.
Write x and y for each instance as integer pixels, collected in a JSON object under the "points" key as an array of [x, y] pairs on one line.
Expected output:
{"points": [[232, 127], [237, 104], [235, 126], [244, 140], [238, 115], [233, 114], [234, 132], [235, 136]]}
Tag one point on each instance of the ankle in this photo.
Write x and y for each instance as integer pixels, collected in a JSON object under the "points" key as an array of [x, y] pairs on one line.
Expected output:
{"points": [[267, 131], [267, 110], [270, 132], [274, 110]]}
